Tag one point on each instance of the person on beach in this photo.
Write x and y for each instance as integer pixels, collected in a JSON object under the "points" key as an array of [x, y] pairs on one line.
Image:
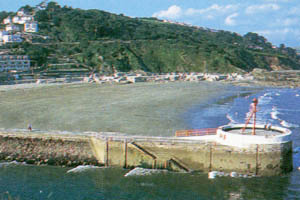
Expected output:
{"points": [[29, 127]]}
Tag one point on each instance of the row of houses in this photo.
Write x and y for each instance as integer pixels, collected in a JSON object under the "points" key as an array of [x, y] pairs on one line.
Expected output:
{"points": [[14, 26], [31, 27], [22, 18], [14, 63], [6, 37]]}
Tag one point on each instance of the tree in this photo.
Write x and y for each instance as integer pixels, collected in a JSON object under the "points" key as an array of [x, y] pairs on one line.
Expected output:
{"points": [[254, 38]]}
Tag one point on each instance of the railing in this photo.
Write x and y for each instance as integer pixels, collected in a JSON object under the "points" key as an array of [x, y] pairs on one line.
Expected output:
{"points": [[196, 132]]}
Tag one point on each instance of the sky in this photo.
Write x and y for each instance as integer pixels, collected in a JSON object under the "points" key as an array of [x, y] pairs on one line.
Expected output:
{"points": [[276, 20]]}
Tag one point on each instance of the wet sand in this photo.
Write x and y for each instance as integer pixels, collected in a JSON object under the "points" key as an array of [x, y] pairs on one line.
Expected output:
{"points": [[154, 109]]}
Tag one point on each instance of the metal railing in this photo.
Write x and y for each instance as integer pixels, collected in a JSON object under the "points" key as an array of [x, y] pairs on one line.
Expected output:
{"points": [[196, 132]]}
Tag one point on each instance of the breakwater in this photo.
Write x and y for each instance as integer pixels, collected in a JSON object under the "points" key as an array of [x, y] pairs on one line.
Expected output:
{"points": [[171, 153]]}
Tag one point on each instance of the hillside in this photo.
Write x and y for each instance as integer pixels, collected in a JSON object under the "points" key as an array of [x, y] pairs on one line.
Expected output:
{"points": [[101, 41]]}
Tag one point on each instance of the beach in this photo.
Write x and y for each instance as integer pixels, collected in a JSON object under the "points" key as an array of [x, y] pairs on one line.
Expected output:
{"points": [[154, 109]]}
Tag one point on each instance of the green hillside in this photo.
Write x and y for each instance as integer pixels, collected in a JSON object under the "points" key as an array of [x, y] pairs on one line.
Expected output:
{"points": [[101, 41]]}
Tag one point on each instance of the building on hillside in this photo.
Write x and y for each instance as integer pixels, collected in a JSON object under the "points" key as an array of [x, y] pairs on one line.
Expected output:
{"points": [[22, 19], [31, 27], [21, 12], [7, 20], [12, 27], [2, 33], [26, 18], [10, 62], [11, 38], [16, 19], [42, 5]]}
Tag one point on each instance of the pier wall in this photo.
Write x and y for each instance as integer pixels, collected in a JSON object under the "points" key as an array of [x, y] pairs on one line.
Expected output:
{"points": [[149, 152], [52, 150]]}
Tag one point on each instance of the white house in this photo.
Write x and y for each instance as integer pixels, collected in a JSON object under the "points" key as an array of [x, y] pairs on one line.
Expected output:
{"points": [[7, 20], [16, 19], [9, 62], [12, 27], [11, 38], [22, 19], [21, 12], [26, 18], [31, 27], [2, 33]]}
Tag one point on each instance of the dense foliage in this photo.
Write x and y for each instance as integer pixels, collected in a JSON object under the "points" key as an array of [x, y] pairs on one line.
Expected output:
{"points": [[100, 41]]}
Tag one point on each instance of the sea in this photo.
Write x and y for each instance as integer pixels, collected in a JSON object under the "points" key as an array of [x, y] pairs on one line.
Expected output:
{"points": [[276, 106]]}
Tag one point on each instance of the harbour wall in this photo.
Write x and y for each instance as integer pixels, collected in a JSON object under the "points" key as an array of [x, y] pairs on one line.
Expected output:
{"points": [[150, 152]]}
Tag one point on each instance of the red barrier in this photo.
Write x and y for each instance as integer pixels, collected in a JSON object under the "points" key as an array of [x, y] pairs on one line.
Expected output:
{"points": [[196, 132]]}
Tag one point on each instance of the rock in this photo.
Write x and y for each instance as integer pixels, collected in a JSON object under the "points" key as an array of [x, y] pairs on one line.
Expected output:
{"points": [[258, 71], [51, 161], [30, 161], [8, 158]]}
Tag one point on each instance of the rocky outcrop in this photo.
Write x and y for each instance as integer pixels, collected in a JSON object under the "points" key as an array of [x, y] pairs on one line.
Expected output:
{"points": [[288, 78]]}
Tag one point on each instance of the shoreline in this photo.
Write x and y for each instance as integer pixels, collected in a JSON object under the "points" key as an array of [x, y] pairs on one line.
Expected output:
{"points": [[170, 118], [258, 78]]}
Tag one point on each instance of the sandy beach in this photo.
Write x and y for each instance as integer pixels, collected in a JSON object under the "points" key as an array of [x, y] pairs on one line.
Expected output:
{"points": [[140, 109]]}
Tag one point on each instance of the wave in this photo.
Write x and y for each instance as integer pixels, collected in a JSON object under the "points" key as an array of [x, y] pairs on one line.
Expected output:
{"points": [[288, 125], [82, 168], [267, 94], [143, 172], [265, 99], [274, 113], [214, 174], [12, 163], [231, 120]]}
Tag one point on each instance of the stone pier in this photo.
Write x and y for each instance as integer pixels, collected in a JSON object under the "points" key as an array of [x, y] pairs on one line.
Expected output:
{"points": [[173, 153]]}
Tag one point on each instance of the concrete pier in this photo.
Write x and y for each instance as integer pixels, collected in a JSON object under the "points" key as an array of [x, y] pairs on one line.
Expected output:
{"points": [[173, 153]]}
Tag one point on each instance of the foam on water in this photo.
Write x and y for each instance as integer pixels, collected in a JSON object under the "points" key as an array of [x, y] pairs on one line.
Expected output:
{"points": [[82, 168], [230, 118], [265, 99], [215, 174], [274, 114], [143, 172], [12, 163], [288, 125]]}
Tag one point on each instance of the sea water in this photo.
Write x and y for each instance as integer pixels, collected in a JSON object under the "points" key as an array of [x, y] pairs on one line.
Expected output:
{"points": [[279, 107]]}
